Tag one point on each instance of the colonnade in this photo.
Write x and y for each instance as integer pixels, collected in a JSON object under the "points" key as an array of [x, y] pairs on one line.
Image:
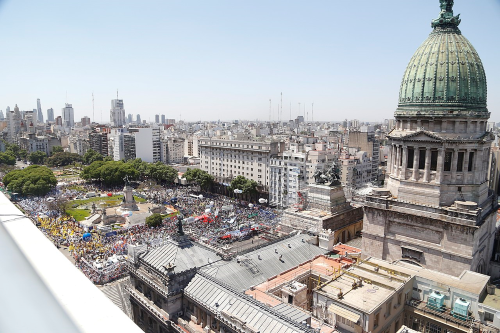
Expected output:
{"points": [[398, 163]]}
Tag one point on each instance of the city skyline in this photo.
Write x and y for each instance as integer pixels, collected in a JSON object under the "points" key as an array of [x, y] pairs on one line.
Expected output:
{"points": [[223, 60]]}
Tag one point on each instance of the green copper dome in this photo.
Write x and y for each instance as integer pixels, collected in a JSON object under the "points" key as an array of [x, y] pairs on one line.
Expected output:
{"points": [[445, 71]]}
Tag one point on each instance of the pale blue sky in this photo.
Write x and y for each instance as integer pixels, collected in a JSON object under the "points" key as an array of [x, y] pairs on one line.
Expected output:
{"points": [[221, 59]]}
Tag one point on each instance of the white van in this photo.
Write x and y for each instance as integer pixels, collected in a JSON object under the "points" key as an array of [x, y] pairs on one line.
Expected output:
{"points": [[90, 195]]}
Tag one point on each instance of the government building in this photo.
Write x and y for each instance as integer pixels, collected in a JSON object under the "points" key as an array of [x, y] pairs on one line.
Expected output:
{"points": [[436, 210]]}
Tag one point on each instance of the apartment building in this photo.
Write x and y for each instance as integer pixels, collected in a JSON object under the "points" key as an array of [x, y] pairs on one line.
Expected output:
{"points": [[226, 159]]}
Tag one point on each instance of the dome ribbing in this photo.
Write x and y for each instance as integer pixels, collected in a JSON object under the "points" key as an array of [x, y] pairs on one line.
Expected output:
{"points": [[446, 70]]}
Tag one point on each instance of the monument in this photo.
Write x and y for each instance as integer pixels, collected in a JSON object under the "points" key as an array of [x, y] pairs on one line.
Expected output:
{"points": [[128, 197], [325, 209]]}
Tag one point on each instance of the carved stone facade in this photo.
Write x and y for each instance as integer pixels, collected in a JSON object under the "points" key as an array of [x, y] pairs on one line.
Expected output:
{"points": [[437, 210]]}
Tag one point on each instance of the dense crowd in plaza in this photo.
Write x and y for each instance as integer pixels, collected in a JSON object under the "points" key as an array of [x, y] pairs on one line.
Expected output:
{"points": [[209, 218]]}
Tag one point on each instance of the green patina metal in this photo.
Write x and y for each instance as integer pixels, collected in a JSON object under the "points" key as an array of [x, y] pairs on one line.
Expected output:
{"points": [[445, 72], [446, 18]]}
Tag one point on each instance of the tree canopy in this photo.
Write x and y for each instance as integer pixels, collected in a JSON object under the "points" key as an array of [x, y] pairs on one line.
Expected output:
{"points": [[91, 156], [7, 159], [200, 177], [63, 159], [57, 149], [37, 157], [154, 220], [161, 172], [244, 184], [33, 180]]}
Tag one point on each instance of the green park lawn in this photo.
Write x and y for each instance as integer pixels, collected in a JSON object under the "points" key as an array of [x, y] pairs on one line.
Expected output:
{"points": [[81, 214], [78, 214]]}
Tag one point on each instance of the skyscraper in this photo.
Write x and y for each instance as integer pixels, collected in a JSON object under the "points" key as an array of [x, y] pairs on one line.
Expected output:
{"points": [[138, 119], [157, 118], [1, 115], [117, 113], [50, 114], [163, 119], [68, 116], [39, 111], [437, 210], [129, 118]]}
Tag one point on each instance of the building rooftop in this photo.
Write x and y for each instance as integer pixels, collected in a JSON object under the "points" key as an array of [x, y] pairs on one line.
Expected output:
{"points": [[468, 281], [230, 305], [259, 265]]}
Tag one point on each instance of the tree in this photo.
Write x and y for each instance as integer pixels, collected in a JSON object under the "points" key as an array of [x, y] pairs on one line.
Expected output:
{"points": [[63, 159], [23, 154], [57, 149], [154, 220], [7, 159], [161, 172], [110, 172], [244, 184], [37, 157], [91, 156], [12, 149], [33, 180], [200, 177]]}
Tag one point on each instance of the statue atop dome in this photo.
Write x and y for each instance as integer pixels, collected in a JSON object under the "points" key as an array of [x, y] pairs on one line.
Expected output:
{"points": [[447, 5], [446, 18]]}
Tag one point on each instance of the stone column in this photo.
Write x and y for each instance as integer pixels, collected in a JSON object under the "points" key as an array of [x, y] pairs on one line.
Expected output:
{"points": [[440, 165], [398, 157], [416, 160], [405, 162], [454, 163], [427, 172], [389, 160], [466, 165]]}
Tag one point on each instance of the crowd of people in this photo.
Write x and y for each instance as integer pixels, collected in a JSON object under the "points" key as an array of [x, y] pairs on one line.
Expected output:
{"points": [[210, 218]]}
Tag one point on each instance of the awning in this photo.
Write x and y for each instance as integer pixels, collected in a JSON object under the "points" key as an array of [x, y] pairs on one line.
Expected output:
{"points": [[344, 313], [411, 248]]}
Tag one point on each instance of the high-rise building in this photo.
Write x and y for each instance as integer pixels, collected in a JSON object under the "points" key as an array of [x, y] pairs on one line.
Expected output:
{"points": [[68, 116], [98, 141], [437, 210], [170, 121], [129, 118], [39, 111], [50, 114], [138, 119], [14, 120], [85, 121], [147, 143], [117, 113], [157, 118], [59, 121], [163, 119], [1, 115]]}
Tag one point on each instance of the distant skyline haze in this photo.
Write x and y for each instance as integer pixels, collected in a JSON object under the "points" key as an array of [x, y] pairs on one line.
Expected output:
{"points": [[210, 60]]}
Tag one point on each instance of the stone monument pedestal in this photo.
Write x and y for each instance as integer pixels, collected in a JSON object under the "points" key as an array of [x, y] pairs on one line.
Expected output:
{"points": [[330, 199], [128, 199]]}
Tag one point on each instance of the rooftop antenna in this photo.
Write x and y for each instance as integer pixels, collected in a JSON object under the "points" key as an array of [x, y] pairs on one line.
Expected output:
{"points": [[93, 108], [270, 110], [116, 93], [312, 112], [281, 106], [299, 108], [290, 111]]}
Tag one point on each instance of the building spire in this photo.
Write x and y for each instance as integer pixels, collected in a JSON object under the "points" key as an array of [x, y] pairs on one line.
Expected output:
{"points": [[446, 18]]}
